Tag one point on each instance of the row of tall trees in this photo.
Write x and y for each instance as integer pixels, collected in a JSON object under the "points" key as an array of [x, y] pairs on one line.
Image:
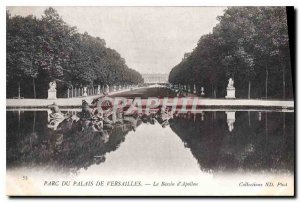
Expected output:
{"points": [[250, 45], [46, 49]]}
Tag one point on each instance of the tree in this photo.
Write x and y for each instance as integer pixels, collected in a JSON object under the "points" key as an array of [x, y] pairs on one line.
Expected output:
{"points": [[46, 49], [248, 44]]}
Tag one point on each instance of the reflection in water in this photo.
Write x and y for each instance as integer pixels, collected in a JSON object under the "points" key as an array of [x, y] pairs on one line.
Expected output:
{"points": [[219, 141], [65, 140], [221, 147], [231, 120]]}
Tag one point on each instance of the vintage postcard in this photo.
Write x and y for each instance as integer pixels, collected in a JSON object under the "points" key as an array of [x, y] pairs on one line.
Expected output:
{"points": [[150, 101]]}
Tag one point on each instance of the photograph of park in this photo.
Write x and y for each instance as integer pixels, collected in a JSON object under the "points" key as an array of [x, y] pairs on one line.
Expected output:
{"points": [[150, 101]]}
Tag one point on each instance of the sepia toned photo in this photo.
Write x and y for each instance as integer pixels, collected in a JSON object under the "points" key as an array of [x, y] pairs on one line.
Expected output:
{"points": [[150, 101]]}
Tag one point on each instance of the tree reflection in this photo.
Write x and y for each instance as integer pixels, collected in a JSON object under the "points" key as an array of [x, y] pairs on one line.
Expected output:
{"points": [[256, 148], [220, 141], [73, 140], [77, 140]]}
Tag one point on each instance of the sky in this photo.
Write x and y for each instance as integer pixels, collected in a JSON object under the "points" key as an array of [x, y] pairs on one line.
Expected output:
{"points": [[150, 39]]}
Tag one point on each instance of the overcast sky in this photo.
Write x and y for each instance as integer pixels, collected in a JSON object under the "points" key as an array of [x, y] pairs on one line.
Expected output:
{"points": [[151, 39]]}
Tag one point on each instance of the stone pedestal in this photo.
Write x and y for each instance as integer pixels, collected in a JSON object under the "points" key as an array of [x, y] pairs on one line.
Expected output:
{"points": [[52, 94], [230, 93]]}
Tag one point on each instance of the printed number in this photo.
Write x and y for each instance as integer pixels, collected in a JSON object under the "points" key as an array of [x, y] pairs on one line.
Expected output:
{"points": [[24, 178]]}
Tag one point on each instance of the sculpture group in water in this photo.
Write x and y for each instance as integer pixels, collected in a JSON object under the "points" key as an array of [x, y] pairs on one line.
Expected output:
{"points": [[99, 120]]}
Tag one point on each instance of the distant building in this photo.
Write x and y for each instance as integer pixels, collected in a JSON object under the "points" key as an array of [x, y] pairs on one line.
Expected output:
{"points": [[186, 55], [155, 78]]}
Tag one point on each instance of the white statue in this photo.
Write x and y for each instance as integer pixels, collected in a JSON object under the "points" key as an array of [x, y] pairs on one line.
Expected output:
{"points": [[84, 91], [52, 86], [230, 89], [106, 88], [230, 83], [202, 91], [194, 91], [52, 90], [98, 90]]}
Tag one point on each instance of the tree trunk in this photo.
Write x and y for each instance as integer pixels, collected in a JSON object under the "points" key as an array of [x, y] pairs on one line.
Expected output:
{"points": [[267, 75], [19, 90], [34, 92], [249, 89]]}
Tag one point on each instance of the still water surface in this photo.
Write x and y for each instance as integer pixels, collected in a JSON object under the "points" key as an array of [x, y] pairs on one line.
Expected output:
{"points": [[189, 144]]}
